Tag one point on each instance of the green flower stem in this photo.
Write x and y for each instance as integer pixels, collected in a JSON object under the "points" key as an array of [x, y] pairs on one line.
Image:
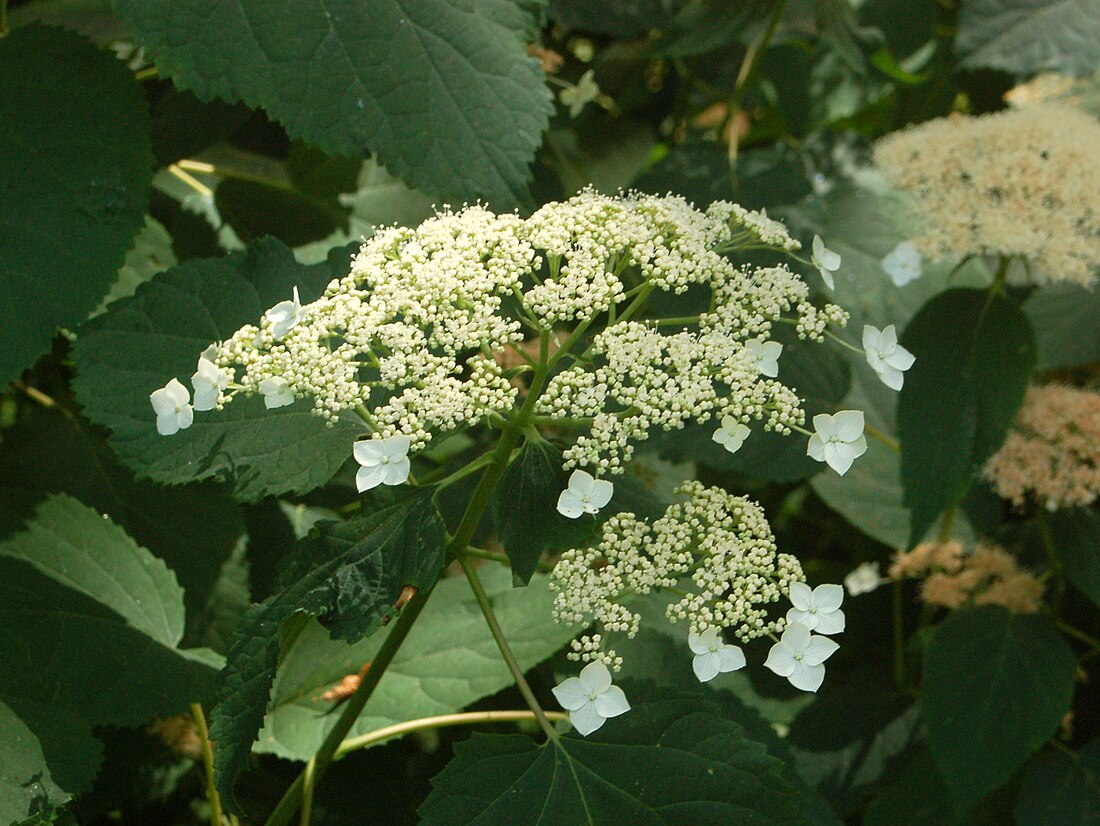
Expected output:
{"points": [[844, 343], [948, 524], [1080, 636], [502, 643], [309, 778], [494, 556], [563, 421], [468, 718], [678, 321], [464, 471], [877, 434], [747, 73], [212, 795]]}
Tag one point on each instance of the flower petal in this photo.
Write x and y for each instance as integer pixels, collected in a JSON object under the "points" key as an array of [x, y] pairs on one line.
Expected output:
{"points": [[706, 666], [700, 643], [601, 493], [891, 377], [580, 482], [367, 453], [819, 650], [839, 457], [815, 448], [185, 417], [369, 477], [586, 719], [901, 359], [397, 473], [825, 597], [733, 658], [871, 338], [824, 425], [849, 425], [801, 596], [780, 660], [802, 618], [797, 636], [168, 424], [570, 504], [570, 694], [396, 447], [612, 702], [830, 622], [807, 677], [595, 677]]}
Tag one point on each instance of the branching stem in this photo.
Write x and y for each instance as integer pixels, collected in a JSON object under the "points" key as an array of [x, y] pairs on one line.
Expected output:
{"points": [[468, 718]]}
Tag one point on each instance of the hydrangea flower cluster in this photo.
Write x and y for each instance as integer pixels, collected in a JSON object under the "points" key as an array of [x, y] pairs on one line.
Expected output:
{"points": [[1023, 183]]}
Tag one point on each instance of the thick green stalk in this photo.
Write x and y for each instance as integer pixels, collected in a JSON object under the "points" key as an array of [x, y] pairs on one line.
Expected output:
{"points": [[212, 795]]}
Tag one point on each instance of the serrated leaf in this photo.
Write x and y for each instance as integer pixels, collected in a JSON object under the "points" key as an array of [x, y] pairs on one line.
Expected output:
{"points": [[975, 352], [442, 90], [349, 575], [524, 508], [634, 770], [1061, 787], [85, 551], [1025, 37], [142, 342], [69, 208], [1076, 535], [448, 661], [996, 685], [152, 253]]}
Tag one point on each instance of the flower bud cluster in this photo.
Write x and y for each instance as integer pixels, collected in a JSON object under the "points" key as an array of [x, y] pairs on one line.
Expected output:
{"points": [[716, 549]]}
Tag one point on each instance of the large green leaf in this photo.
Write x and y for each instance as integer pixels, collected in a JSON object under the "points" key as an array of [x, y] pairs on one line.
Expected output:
{"points": [[75, 131], [975, 352], [917, 796], [671, 759], [996, 685], [25, 778], [349, 574], [1029, 36], [1061, 787], [524, 508], [142, 342], [1076, 535], [448, 661], [442, 90], [1066, 318]]}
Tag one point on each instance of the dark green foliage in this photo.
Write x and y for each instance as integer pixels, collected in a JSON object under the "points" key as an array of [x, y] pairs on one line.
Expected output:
{"points": [[1061, 787], [1025, 37]]}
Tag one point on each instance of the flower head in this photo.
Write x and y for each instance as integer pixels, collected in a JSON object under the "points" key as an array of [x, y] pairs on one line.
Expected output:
{"points": [[712, 656], [285, 316], [170, 403], [209, 381], [276, 392], [584, 495], [903, 263], [767, 356], [579, 96], [590, 698], [838, 440], [826, 261], [887, 358], [384, 462], [732, 434], [863, 579], [819, 609], [799, 656]]}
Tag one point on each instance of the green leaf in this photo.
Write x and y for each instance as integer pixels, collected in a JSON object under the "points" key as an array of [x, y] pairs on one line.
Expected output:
{"points": [[1059, 787], [152, 253], [524, 508], [448, 661], [25, 778], [918, 796], [670, 759], [142, 342], [442, 90], [349, 574], [996, 685], [1076, 535], [193, 528], [1066, 318], [1025, 37], [82, 550], [975, 352], [76, 120]]}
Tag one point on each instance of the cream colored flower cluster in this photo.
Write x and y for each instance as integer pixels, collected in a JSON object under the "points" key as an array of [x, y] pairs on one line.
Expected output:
{"points": [[1052, 453], [716, 548], [1023, 183]]}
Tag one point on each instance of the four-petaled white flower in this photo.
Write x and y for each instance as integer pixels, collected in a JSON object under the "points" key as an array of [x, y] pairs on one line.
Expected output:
{"points": [[384, 462], [903, 264], [886, 357], [712, 656], [584, 495], [767, 356], [732, 434], [799, 656], [171, 404], [285, 316], [276, 392], [209, 381], [819, 609], [590, 698], [838, 440], [577, 97], [826, 261], [863, 579]]}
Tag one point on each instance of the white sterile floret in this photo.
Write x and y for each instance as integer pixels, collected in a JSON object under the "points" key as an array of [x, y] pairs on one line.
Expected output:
{"points": [[826, 261], [863, 579], [838, 440], [767, 355], [590, 698], [712, 655], [384, 462], [887, 358], [799, 656], [276, 392], [819, 609], [903, 263], [579, 96], [171, 404], [584, 495], [285, 316], [209, 381], [731, 435]]}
